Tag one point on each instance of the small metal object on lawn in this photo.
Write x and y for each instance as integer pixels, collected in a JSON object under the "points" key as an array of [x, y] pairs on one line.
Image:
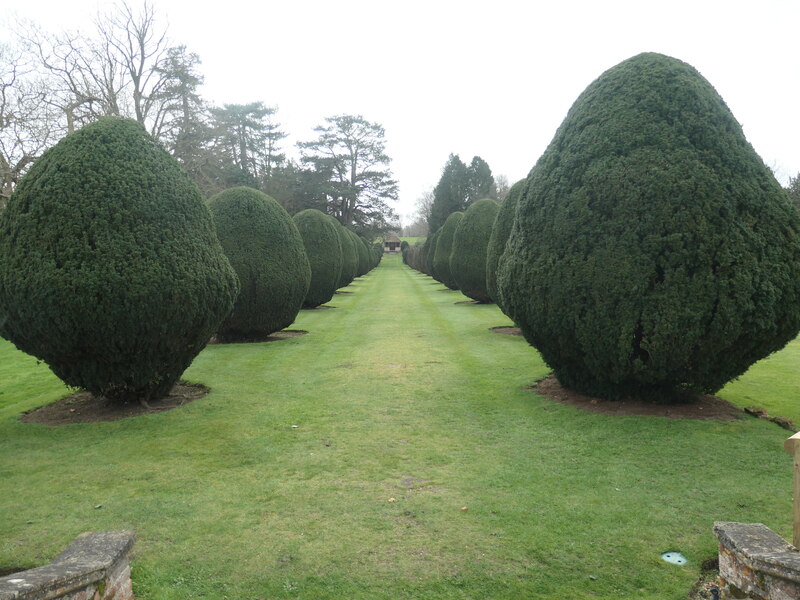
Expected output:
{"points": [[676, 558]]}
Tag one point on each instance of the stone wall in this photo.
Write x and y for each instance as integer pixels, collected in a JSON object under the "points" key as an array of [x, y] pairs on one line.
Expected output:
{"points": [[94, 567], [756, 563]]}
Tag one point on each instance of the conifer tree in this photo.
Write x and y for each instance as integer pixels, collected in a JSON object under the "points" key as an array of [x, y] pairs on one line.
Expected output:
{"points": [[653, 252], [110, 268]]}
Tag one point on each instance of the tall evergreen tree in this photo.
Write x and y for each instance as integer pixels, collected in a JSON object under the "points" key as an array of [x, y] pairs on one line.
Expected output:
{"points": [[352, 151], [450, 194], [480, 182]]}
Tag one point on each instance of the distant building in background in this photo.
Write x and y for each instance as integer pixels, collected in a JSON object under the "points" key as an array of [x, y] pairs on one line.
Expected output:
{"points": [[391, 243]]}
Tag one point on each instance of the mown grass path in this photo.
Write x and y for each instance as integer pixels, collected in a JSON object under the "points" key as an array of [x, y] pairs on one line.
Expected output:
{"points": [[278, 484]]}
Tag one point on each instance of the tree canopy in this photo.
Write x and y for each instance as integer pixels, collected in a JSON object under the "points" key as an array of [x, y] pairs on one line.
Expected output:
{"points": [[352, 151]]}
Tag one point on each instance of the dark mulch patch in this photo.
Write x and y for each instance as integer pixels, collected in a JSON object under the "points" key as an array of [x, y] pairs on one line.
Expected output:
{"points": [[469, 302], [284, 334], [704, 408], [320, 307], [506, 330], [707, 585], [85, 407], [342, 292]]}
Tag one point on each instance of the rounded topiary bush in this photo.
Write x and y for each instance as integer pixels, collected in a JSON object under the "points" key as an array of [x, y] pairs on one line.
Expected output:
{"points": [[497, 241], [324, 252], [349, 257], [110, 269], [364, 264], [468, 257], [444, 248], [428, 252], [653, 251], [265, 249]]}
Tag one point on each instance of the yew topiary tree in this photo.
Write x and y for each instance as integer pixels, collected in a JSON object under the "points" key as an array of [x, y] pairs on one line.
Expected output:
{"points": [[470, 241], [110, 268], [349, 255], [324, 252], [265, 249], [444, 247], [653, 252], [427, 252], [364, 255], [497, 241]]}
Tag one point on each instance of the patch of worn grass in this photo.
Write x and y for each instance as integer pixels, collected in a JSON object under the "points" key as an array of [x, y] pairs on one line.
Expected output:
{"points": [[277, 484]]}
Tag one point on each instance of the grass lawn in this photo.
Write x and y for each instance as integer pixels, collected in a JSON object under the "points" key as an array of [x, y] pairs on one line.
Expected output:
{"points": [[412, 240], [397, 393]]}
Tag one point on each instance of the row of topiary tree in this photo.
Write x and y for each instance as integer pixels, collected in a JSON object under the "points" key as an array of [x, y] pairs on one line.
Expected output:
{"points": [[455, 254], [649, 252], [115, 273]]}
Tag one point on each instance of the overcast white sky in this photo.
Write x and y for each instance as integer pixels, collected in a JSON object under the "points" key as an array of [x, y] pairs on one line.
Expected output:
{"points": [[488, 78]]}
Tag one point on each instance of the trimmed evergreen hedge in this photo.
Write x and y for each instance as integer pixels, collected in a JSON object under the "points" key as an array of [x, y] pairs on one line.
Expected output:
{"points": [[324, 252], [349, 255], [497, 241], [444, 247], [265, 249], [653, 252], [364, 256], [110, 268], [470, 241], [428, 252]]}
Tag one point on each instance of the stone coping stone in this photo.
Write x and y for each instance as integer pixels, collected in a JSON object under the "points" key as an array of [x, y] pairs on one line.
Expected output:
{"points": [[765, 550], [750, 539], [86, 560]]}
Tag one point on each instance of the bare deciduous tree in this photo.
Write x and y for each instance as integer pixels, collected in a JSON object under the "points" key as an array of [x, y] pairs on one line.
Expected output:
{"points": [[28, 123]]}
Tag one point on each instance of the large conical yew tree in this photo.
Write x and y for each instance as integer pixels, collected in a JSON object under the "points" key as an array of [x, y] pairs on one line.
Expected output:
{"points": [[470, 240], [652, 252], [265, 249], [110, 269]]}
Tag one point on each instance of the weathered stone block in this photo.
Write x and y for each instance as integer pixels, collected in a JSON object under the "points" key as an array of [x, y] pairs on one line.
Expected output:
{"points": [[93, 567], [756, 563]]}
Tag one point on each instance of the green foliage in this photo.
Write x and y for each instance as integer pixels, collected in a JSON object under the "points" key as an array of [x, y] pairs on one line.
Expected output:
{"points": [[497, 242], [652, 251], [110, 268], [363, 255], [430, 252], [324, 252], [265, 249], [450, 193], [444, 248], [351, 151], [349, 255], [793, 189], [459, 186], [468, 257], [480, 182]]}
